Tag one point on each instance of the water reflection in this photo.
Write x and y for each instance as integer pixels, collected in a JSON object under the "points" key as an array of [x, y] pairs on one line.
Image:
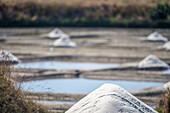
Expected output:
{"points": [[64, 65], [82, 85]]}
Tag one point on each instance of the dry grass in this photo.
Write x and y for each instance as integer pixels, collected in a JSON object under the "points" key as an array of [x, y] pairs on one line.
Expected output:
{"points": [[12, 99], [164, 103]]}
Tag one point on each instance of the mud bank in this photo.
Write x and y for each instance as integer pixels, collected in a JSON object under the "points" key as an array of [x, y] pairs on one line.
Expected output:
{"points": [[148, 97], [102, 45], [104, 74]]}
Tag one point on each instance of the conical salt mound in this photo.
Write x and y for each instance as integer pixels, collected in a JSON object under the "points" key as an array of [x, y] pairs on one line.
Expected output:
{"points": [[64, 41], [110, 98], [167, 85], [167, 46], [156, 37], [56, 33], [152, 62], [6, 57]]}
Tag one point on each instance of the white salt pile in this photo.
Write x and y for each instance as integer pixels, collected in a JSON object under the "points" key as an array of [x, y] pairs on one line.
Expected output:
{"points": [[152, 62], [110, 98], [8, 57], [167, 86], [167, 46], [56, 33], [156, 37], [64, 41]]}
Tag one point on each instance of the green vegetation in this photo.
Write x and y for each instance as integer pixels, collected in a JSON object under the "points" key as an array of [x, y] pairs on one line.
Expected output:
{"points": [[76, 13], [12, 99], [164, 103]]}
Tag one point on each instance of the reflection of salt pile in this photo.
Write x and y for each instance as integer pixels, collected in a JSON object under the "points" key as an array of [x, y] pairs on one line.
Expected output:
{"points": [[152, 62], [6, 57], [110, 98], [167, 46], [156, 37], [64, 41], [56, 33]]}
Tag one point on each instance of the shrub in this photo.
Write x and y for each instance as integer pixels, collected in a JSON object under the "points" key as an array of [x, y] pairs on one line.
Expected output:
{"points": [[164, 103], [160, 11], [12, 99], [124, 13]]}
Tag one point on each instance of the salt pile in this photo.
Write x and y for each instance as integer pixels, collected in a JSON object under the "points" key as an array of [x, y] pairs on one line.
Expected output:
{"points": [[152, 62], [56, 33], [167, 46], [8, 58], [64, 41], [167, 85], [110, 98], [156, 37]]}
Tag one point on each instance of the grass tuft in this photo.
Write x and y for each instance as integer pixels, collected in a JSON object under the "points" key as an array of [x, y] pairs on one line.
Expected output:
{"points": [[164, 103], [12, 99]]}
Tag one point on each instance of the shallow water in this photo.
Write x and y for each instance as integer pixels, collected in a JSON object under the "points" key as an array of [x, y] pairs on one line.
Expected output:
{"points": [[64, 65], [167, 72], [55, 102], [82, 85], [5, 35]]}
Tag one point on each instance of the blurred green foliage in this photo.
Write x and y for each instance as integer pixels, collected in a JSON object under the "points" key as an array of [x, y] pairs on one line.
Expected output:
{"points": [[160, 12], [32, 14]]}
